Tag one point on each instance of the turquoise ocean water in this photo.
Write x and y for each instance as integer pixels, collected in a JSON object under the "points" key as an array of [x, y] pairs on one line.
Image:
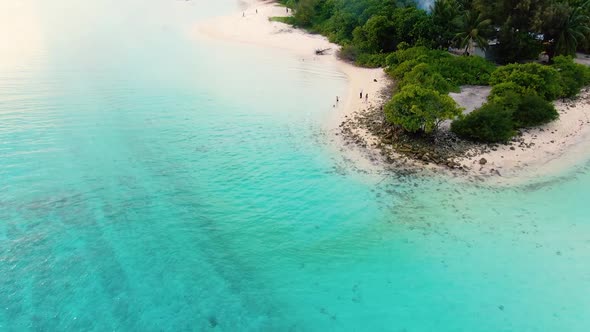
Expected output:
{"points": [[152, 181]]}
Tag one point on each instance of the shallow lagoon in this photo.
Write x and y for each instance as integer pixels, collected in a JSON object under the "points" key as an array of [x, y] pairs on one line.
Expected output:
{"points": [[153, 181]]}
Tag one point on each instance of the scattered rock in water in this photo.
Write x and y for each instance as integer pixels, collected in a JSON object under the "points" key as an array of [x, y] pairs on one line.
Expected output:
{"points": [[397, 147], [212, 320]]}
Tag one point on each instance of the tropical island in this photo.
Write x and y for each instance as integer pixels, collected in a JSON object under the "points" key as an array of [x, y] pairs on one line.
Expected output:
{"points": [[519, 57]]}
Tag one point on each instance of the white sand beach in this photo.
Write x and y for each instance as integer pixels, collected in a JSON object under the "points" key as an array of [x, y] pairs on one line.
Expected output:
{"points": [[538, 151], [256, 28]]}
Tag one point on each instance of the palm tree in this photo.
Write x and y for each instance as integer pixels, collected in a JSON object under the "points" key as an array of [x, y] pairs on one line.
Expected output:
{"points": [[474, 31], [446, 16], [572, 31]]}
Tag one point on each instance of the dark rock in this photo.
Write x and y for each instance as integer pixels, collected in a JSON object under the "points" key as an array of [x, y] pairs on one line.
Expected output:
{"points": [[212, 321], [483, 161]]}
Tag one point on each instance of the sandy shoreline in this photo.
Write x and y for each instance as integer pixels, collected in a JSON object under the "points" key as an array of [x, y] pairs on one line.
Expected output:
{"points": [[544, 150], [256, 29], [541, 151]]}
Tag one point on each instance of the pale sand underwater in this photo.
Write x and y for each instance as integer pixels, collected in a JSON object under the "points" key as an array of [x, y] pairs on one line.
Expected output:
{"points": [[256, 28], [151, 181]]}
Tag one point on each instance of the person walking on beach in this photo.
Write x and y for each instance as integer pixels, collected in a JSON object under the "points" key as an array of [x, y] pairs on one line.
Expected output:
{"points": [[256, 11], [366, 97], [361, 94], [337, 100]]}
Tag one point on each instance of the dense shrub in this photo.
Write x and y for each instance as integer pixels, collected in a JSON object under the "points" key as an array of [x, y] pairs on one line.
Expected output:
{"points": [[416, 108], [375, 35], [532, 77], [425, 76], [490, 123], [465, 70], [419, 54], [533, 111], [349, 53], [573, 76], [508, 99], [502, 89], [505, 111], [371, 60], [399, 71], [454, 70]]}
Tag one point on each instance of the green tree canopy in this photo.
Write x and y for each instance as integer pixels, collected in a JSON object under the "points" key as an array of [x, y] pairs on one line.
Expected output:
{"points": [[446, 17], [416, 109], [566, 28], [533, 78], [377, 35], [475, 30]]}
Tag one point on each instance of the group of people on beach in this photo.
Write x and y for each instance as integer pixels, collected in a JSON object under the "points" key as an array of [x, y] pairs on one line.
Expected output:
{"points": [[366, 96], [360, 94], [244, 13]]}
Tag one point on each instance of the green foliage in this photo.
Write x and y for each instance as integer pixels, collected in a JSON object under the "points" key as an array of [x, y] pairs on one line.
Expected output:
{"points": [[500, 90], [474, 31], [522, 15], [516, 46], [413, 26], [508, 99], [426, 76], [305, 11], [465, 70], [403, 46], [412, 44], [506, 110], [445, 68], [490, 123], [521, 28], [376, 35], [371, 26], [532, 77], [402, 69], [371, 60], [566, 27], [533, 111], [517, 25], [339, 27], [413, 53], [416, 108], [520, 98], [349, 52], [282, 19], [573, 76], [446, 18]]}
